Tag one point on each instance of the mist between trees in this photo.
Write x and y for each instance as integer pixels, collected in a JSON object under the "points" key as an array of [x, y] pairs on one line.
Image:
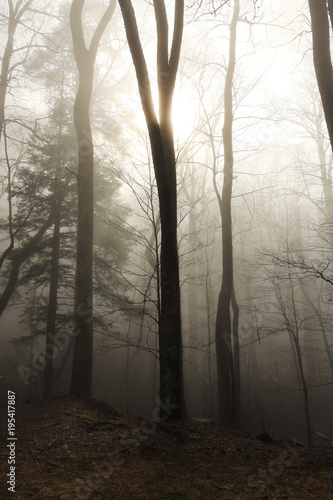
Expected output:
{"points": [[166, 208]]}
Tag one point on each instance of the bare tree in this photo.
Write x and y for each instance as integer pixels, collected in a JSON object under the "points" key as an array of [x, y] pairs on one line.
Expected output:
{"points": [[20, 256], [163, 153], [16, 11], [223, 328], [17, 48]]}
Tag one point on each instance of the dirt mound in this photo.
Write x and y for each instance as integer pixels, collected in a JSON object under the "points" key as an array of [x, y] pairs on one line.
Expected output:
{"points": [[70, 449]]}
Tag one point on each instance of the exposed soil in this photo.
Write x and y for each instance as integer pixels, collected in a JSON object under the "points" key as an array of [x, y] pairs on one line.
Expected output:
{"points": [[69, 449]]}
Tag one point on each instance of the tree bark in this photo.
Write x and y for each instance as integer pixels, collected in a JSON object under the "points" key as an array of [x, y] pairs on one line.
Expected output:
{"points": [[330, 11], [236, 380]]}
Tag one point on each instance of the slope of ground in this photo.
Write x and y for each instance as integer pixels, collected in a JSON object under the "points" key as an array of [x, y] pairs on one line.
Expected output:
{"points": [[71, 449]]}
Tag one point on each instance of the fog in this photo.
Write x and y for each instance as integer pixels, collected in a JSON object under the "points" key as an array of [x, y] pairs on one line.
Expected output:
{"points": [[281, 213]]}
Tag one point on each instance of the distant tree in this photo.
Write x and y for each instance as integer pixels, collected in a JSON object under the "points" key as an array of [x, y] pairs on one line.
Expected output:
{"points": [[15, 13], [50, 178], [18, 21], [43, 186], [224, 332], [290, 321]]}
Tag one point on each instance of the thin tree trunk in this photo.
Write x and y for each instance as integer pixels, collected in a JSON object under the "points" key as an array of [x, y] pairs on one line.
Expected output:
{"points": [[322, 328], [52, 308], [223, 318], [127, 377], [294, 332], [193, 287], [55, 256], [305, 392], [10, 206]]}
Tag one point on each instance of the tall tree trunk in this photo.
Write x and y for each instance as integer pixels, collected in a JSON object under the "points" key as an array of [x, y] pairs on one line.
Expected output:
{"points": [[223, 331], [322, 58], [193, 287], [81, 381], [293, 328], [163, 153], [83, 314]]}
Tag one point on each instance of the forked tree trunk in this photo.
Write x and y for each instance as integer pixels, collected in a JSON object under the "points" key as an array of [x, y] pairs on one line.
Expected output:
{"points": [[163, 153]]}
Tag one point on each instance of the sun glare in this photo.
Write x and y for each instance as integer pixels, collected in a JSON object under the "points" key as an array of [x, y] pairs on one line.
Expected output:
{"points": [[184, 111]]}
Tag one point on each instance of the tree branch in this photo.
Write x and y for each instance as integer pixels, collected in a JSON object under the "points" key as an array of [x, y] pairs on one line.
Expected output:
{"points": [[162, 39]]}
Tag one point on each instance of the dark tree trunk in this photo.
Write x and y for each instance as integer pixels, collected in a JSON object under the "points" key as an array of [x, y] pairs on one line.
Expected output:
{"points": [[170, 320], [170, 339], [162, 146], [193, 288], [236, 383], [81, 381], [322, 58]]}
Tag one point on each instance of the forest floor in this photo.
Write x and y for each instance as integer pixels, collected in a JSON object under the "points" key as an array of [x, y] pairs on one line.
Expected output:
{"points": [[71, 449]]}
